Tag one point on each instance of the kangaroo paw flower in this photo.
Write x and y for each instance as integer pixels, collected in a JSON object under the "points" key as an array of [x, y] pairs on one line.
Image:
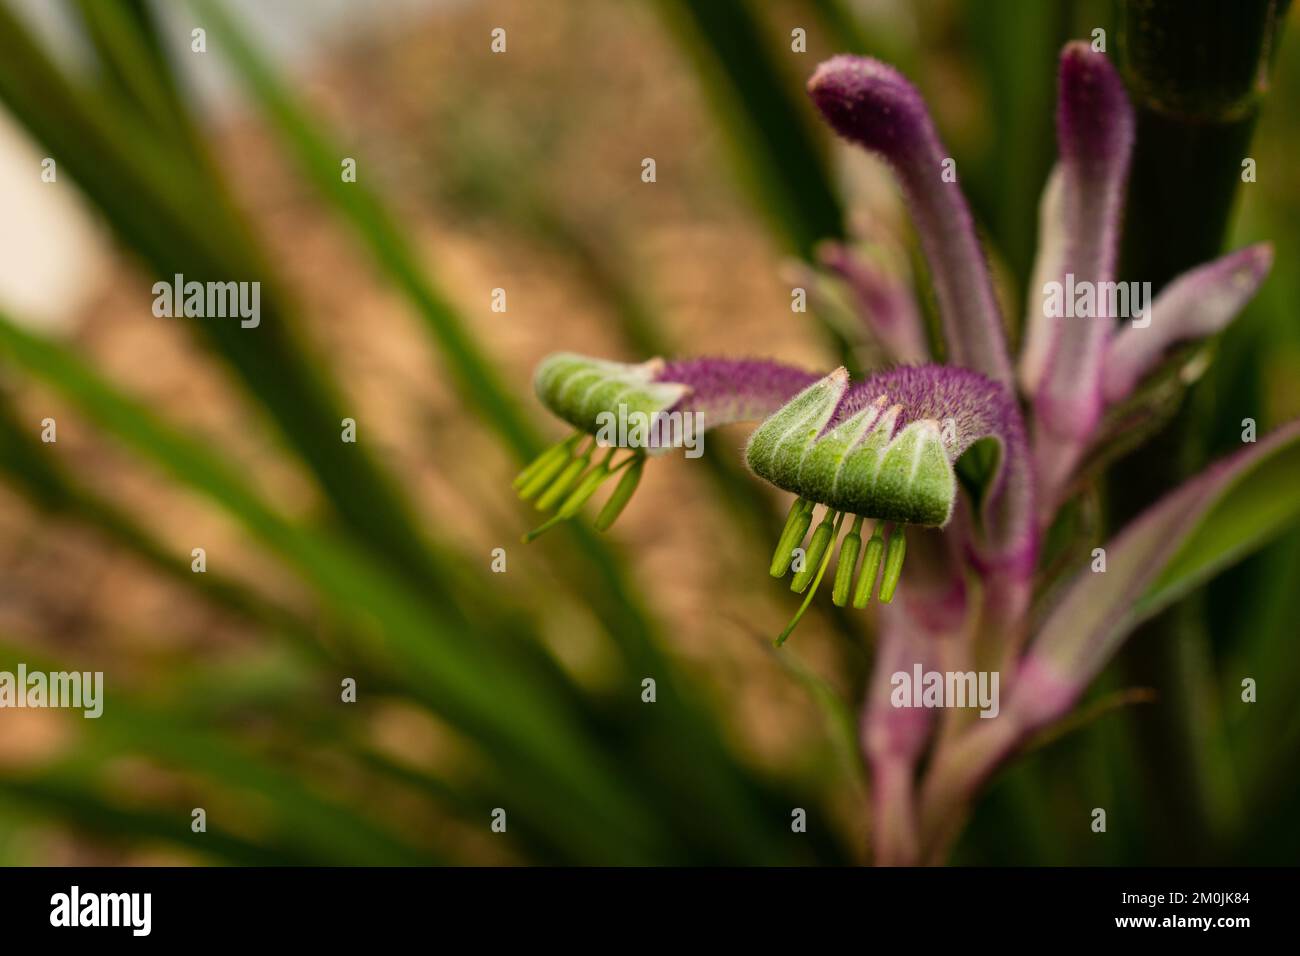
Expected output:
{"points": [[883, 450], [646, 409], [613, 405]]}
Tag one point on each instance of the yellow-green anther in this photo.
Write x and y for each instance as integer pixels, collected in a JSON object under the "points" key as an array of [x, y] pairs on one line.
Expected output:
{"points": [[797, 523], [544, 476], [821, 539], [844, 567], [871, 556], [586, 488], [622, 494], [893, 564], [797, 507], [816, 583], [546, 459], [563, 483]]}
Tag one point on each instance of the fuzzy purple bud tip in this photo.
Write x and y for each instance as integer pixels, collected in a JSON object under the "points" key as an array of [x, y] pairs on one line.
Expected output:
{"points": [[1094, 119], [871, 104]]}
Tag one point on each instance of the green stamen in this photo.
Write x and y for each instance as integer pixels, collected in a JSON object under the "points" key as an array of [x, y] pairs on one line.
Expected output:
{"points": [[821, 571], [893, 564], [622, 493], [558, 452], [866, 582], [545, 474], [845, 564], [797, 523], [552, 495], [817, 547], [586, 488]]}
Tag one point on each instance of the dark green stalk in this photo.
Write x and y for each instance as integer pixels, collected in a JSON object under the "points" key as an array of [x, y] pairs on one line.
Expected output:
{"points": [[1017, 45], [1197, 71]]}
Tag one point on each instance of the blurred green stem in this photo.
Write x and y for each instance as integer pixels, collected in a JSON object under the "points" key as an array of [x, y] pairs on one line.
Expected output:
{"points": [[772, 129]]}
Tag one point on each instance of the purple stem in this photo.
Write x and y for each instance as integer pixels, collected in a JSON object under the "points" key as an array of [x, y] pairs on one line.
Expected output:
{"points": [[735, 390]]}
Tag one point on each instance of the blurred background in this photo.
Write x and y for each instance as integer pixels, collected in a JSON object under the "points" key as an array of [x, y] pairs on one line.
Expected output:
{"points": [[521, 170]]}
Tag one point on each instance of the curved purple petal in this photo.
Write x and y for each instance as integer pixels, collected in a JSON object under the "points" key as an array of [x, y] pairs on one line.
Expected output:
{"points": [[1095, 129], [1195, 304], [873, 105]]}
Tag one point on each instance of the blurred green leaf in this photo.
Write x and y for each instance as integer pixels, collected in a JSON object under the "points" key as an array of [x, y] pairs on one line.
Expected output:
{"points": [[1212, 520], [34, 471], [1017, 47], [1252, 511], [181, 222], [476, 377], [769, 119], [319, 829], [69, 801], [499, 704]]}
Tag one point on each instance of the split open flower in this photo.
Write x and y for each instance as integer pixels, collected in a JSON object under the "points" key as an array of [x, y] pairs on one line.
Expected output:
{"points": [[972, 456], [642, 410], [584, 391]]}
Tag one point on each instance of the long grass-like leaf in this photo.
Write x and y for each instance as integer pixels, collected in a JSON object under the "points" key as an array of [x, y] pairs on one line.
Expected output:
{"points": [[474, 373], [496, 703], [52, 489], [69, 800], [772, 129], [181, 222], [313, 825]]}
